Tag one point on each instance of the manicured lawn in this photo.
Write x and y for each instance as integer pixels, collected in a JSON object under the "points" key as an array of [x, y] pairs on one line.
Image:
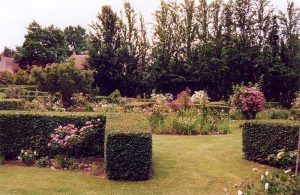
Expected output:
{"points": [[181, 165]]}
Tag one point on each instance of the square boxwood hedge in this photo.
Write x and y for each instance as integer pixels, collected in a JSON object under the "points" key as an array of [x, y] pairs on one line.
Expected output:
{"points": [[23, 130], [12, 104], [128, 148], [263, 138], [128, 156]]}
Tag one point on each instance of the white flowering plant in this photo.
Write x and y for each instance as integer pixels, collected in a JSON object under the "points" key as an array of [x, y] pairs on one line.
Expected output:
{"points": [[266, 183], [159, 98], [28, 156], [283, 158], [200, 97]]}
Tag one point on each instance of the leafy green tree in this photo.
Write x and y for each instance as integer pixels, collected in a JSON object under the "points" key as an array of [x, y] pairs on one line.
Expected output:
{"points": [[42, 46], [64, 78], [8, 52], [104, 51], [76, 38]]}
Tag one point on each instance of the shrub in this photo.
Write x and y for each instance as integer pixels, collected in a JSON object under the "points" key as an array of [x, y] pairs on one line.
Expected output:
{"points": [[64, 78], [80, 103], [69, 140], [183, 101], [128, 156], [31, 130], [14, 91], [115, 96], [22, 77], [28, 156], [264, 138], [249, 101], [12, 104], [6, 78], [274, 114], [277, 182], [62, 162], [200, 97], [42, 162]]}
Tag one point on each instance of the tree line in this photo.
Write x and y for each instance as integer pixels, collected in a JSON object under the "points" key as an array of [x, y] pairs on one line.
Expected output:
{"points": [[195, 44]]}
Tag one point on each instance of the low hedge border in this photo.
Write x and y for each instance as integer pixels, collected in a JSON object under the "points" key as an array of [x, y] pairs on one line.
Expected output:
{"points": [[12, 104], [264, 138], [31, 130]]}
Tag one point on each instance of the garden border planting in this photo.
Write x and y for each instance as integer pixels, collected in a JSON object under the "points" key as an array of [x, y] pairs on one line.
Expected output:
{"points": [[21, 130]]}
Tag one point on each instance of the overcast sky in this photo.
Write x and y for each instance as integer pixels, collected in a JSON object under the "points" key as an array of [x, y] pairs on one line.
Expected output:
{"points": [[15, 15]]}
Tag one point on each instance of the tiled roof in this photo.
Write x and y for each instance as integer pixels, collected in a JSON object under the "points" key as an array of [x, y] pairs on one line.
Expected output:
{"points": [[80, 60]]}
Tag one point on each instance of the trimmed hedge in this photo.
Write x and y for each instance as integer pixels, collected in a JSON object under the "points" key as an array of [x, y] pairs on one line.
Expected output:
{"points": [[128, 148], [264, 138], [12, 104], [30, 130], [128, 156]]}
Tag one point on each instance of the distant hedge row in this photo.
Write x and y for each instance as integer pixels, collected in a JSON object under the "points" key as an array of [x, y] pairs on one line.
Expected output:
{"points": [[262, 139], [12, 104]]}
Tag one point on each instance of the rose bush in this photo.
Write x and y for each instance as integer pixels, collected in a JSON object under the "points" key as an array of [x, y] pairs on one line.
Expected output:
{"points": [[249, 101]]}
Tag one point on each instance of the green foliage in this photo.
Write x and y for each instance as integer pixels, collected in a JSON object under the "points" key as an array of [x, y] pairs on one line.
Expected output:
{"points": [[41, 46], [28, 156], [31, 130], [2, 95], [62, 162], [6, 78], [128, 156], [76, 38], [115, 96], [274, 114], [12, 104], [270, 182], [14, 91], [118, 51], [64, 78], [264, 138], [42, 162], [22, 77]]}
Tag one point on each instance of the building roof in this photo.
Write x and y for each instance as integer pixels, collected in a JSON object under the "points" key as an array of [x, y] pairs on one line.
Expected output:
{"points": [[8, 64], [80, 60]]}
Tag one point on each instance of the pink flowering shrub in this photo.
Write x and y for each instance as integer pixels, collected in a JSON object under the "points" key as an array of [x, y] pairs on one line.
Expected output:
{"points": [[66, 138], [182, 102], [249, 101], [81, 103]]}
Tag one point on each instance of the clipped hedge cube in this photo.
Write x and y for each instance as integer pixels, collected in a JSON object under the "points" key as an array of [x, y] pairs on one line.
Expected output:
{"points": [[128, 156]]}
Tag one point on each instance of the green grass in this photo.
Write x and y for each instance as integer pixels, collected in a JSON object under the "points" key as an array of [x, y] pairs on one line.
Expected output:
{"points": [[181, 165]]}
